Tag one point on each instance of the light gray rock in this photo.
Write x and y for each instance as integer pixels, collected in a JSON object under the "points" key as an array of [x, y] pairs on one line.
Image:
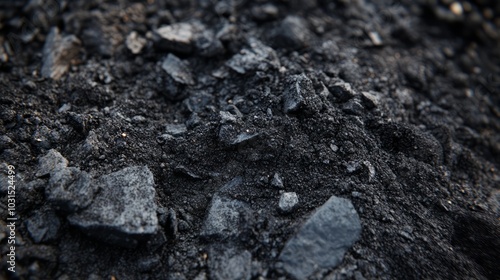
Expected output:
{"points": [[58, 52], [177, 37], [175, 129], [124, 211], [70, 189], [276, 181], [322, 240], [288, 202], [52, 161]]}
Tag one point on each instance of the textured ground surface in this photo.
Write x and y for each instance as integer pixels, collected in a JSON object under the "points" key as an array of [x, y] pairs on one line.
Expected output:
{"points": [[217, 139]]}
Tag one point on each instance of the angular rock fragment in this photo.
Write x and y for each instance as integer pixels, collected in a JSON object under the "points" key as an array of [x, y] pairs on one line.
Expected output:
{"points": [[244, 138], [342, 91], [175, 129], [58, 52], [276, 181], [178, 70], [353, 107], [322, 240], [288, 202], [292, 33], [177, 37], [43, 226], [124, 211], [52, 161], [135, 43], [70, 189], [258, 57], [226, 218], [299, 94], [208, 45], [229, 263]]}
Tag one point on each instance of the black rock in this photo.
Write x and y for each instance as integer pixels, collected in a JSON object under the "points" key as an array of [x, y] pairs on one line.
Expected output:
{"points": [[70, 189], [226, 218], [178, 70], [353, 107], [227, 262], [300, 95], [58, 52], [322, 240], [208, 45], [124, 210], [51, 162], [342, 91], [292, 33], [43, 226]]}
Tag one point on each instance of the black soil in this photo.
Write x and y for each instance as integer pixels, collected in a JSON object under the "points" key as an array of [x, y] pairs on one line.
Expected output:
{"points": [[415, 143]]}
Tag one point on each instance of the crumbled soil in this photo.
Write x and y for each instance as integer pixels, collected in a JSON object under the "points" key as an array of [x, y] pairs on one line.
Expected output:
{"points": [[416, 147]]}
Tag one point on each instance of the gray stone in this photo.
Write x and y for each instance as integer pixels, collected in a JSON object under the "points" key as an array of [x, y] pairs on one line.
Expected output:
{"points": [[58, 52], [276, 181], [258, 57], [175, 129], [124, 211], [70, 189], [177, 37], [353, 107], [208, 45], [342, 91], [52, 161], [227, 262], [43, 226], [178, 70], [226, 218], [322, 240], [292, 33], [244, 138], [288, 202], [135, 43]]}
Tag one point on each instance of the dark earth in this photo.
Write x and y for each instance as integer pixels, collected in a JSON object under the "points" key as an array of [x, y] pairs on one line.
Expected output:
{"points": [[233, 139]]}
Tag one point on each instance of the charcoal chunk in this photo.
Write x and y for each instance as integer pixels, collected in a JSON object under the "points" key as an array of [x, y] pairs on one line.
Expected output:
{"points": [[292, 33], [178, 70], [51, 162], [70, 189], [322, 240], [124, 211]]}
